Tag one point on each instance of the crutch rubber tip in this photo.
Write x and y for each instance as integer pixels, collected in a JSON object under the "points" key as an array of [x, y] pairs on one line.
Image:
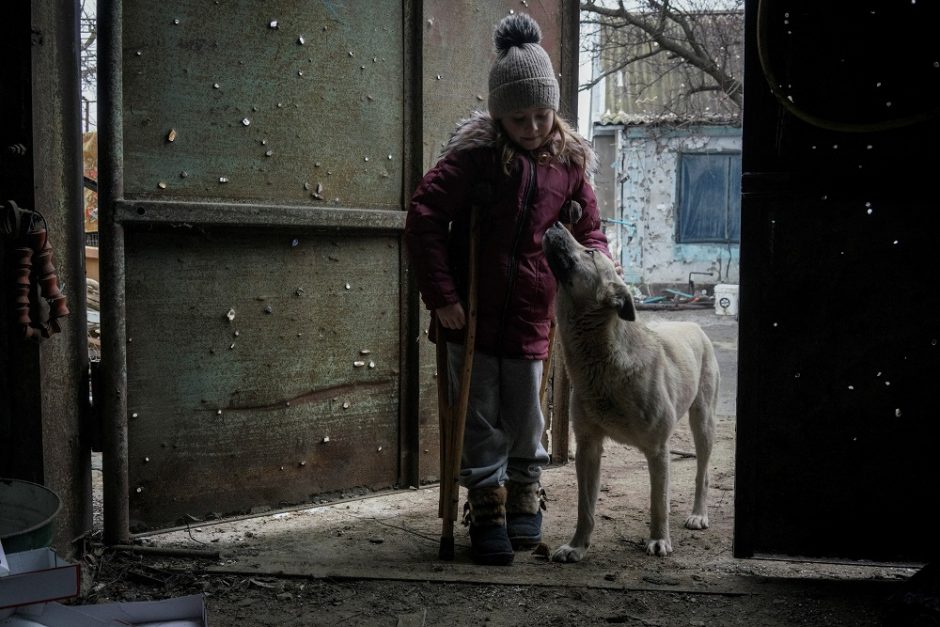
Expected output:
{"points": [[447, 549]]}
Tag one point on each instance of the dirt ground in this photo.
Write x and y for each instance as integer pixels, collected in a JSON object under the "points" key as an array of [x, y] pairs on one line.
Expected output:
{"points": [[373, 561]]}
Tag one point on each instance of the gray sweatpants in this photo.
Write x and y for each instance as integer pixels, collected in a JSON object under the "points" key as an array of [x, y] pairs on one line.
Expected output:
{"points": [[503, 435]]}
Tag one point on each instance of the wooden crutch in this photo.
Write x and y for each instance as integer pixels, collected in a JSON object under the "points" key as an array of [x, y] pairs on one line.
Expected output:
{"points": [[453, 417]]}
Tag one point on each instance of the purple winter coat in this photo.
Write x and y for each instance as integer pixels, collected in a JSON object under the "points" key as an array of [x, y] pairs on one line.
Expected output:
{"points": [[516, 288]]}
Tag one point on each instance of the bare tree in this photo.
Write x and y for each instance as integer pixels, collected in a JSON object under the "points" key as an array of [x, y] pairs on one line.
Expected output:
{"points": [[680, 56], [89, 55]]}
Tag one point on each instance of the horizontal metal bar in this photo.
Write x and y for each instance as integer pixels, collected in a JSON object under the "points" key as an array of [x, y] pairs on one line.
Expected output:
{"points": [[237, 214]]}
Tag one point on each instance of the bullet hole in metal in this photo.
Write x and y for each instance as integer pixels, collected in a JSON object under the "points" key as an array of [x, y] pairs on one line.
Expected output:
{"points": [[362, 67], [300, 72], [139, 53], [796, 375], [161, 185], [218, 412], [236, 333], [302, 463], [887, 383], [379, 450], [888, 104], [895, 242], [390, 157], [134, 415], [246, 122], [183, 174], [294, 243], [316, 164], [897, 413], [371, 364], [348, 286], [358, 364], [439, 77], [345, 404], [176, 21], [375, 59], [268, 309], [216, 86], [300, 40], [365, 158], [326, 438], [369, 97], [351, 53], [139, 490], [479, 97], [365, 351], [272, 24], [268, 153], [171, 136], [851, 387], [230, 315], [318, 192], [299, 292], [231, 346], [223, 179], [146, 460]]}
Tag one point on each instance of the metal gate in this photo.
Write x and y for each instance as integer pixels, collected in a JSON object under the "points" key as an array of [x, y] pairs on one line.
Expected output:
{"points": [[263, 341], [839, 330]]}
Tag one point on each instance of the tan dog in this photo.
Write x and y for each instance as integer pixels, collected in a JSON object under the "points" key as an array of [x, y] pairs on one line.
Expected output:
{"points": [[631, 383]]}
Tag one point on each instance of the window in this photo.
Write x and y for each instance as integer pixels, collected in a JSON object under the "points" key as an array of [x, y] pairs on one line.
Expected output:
{"points": [[709, 205]]}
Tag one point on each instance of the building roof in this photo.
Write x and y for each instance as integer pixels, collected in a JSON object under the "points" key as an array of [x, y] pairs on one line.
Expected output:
{"points": [[660, 87]]}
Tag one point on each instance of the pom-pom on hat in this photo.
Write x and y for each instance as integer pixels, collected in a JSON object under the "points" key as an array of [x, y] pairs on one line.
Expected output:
{"points": [[522, 75]]}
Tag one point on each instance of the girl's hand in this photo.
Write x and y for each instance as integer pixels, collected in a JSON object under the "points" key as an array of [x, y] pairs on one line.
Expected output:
{"points": [[451, 316]]}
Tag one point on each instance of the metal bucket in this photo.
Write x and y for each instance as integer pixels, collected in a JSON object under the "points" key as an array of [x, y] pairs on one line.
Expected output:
{"points": [[27, 513]]}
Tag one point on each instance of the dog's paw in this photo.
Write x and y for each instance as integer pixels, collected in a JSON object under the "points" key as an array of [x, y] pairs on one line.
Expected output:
{"points": [[661, 548], [697, 521], [567, 553]]}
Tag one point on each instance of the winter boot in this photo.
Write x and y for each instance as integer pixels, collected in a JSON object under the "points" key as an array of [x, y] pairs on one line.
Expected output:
{"points": [[486, 514], [524, 505]]}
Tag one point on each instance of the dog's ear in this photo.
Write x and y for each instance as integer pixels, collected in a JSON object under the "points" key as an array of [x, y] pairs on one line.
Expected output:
{"points": [[619, 297]]}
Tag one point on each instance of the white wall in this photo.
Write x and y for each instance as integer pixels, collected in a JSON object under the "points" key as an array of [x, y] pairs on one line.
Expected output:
{"points": [[646, 201]]}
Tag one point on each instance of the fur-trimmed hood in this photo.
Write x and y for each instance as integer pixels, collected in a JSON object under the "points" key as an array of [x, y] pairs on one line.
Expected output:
{"points": [[480, 130]]}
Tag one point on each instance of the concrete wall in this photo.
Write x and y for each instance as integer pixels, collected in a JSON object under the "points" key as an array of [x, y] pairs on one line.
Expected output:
{"points": [[641, 180]]}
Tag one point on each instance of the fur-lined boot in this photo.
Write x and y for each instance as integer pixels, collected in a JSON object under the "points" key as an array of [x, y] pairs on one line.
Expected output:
{"points": [[486, 515], [524, 505]]}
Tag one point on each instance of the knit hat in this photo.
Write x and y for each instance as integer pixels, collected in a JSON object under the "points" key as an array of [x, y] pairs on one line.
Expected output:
{"points": [[522, 75]]}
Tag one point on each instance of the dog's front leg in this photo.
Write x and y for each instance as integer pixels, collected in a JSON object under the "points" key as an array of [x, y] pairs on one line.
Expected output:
{"points": [[588, 469], [659, 542]]}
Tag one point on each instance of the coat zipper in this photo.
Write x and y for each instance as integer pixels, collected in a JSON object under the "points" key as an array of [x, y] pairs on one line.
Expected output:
{"points": [[514, 258]]}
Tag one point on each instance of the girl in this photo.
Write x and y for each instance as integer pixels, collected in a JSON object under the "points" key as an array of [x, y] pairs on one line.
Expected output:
{"points": [[522, 165]]}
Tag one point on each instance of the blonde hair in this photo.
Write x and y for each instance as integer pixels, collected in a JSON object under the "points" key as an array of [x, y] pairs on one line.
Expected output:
{"points": [[561, 134]]}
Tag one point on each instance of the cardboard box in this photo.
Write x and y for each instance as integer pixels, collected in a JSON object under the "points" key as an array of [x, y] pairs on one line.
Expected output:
{"points": [[38, 576], [187, 611]]}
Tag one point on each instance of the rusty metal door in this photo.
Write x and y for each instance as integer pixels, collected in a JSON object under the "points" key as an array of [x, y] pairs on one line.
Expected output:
{"points": [[839, 355], [264, 343]]}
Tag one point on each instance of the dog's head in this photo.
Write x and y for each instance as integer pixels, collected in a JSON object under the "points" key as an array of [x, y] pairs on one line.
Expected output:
{"points": [[586, 276]]}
